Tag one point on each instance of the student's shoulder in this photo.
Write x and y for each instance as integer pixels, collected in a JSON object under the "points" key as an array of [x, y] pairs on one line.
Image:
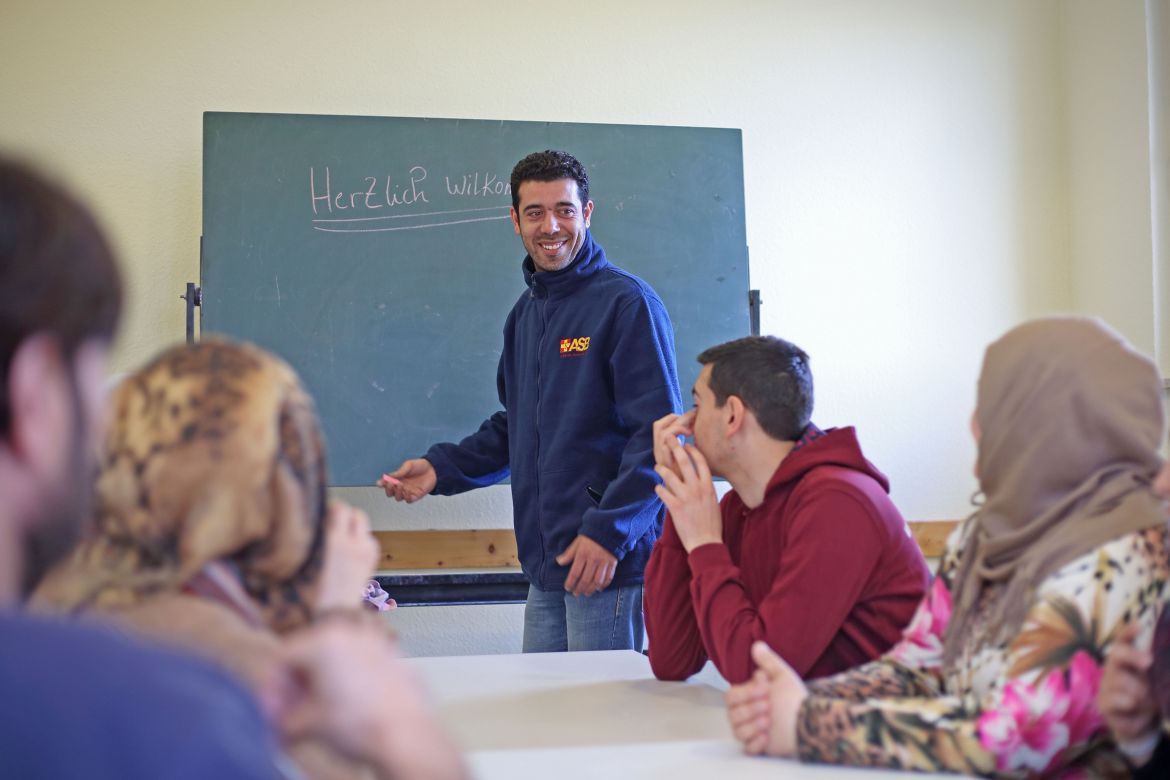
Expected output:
{"points": [[1138, 558], [835, 476], [627, 287], [841, 502], [46, 642], [832, 482], [110, 699]]}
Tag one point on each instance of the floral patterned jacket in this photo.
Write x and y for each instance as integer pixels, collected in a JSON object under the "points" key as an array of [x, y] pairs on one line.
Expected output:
{"points": [[1021, 709]]}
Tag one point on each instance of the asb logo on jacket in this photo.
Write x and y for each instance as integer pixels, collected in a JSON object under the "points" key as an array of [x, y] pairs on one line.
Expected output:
{"points": [[577, 346]]}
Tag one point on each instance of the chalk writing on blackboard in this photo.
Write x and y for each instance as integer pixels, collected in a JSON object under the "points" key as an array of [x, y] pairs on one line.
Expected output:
{"points": [[470, 184], [380, 192], [371, 197]]}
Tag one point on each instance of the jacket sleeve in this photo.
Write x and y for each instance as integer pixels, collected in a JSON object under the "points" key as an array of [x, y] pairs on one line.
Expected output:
{"points": [[676, 648], [818, 583], [479, 460], [645, 388]]}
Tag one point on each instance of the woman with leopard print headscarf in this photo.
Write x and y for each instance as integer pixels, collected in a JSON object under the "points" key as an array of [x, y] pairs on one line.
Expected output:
{"points": [[212, 528]]}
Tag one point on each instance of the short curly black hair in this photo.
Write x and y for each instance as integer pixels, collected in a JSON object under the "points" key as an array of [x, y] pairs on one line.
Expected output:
{"points": [[549, 165]]}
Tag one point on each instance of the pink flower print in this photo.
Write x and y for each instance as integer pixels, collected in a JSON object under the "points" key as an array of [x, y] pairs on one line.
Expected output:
{"points": [[1083, 717], [922, 640], [1035, 723], [1026, 731]]}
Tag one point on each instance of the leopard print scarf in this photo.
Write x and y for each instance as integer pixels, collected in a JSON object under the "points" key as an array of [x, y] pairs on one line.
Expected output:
{"points": [[214, 455]]}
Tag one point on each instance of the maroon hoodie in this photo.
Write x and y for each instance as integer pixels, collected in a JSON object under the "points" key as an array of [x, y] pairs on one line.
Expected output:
{"points": [[824, 570]]}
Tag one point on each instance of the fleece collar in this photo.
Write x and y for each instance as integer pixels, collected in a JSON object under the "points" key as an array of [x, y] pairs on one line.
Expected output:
{"points": [[556, 284]]}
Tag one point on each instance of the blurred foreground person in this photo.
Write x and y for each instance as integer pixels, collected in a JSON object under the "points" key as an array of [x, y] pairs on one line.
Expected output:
{"points": [[82, 700]]}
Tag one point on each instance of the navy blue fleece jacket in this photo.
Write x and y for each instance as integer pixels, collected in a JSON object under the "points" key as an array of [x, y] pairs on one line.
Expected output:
{"points": [[587, 367]]}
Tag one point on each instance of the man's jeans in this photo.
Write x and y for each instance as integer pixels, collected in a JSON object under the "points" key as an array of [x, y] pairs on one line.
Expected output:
{"points": [[556, 621]]}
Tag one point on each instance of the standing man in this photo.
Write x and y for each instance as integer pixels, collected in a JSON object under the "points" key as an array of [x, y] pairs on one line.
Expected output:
{"points": [[587, 367], [807, 551]]}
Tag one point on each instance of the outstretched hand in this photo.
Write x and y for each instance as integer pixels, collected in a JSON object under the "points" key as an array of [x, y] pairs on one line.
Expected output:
{"points": [[763, 711], [411, 481]]}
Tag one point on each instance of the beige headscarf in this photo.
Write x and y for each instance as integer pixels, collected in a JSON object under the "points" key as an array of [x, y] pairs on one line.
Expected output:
{"points": [[214, 454], [1070, 420]]}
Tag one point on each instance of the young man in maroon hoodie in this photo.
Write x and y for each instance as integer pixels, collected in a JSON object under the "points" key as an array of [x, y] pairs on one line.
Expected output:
{"points": [[807, 552]]}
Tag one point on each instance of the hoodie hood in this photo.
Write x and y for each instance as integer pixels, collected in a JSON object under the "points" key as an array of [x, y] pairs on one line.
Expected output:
{"points": [[838, 447]]}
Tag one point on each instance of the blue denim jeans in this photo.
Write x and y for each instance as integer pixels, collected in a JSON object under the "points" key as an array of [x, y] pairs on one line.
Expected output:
{"points": [[556, 621]]}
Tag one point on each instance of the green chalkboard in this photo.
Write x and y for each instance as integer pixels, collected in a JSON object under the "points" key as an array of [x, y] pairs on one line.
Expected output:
{"points": [[377, 256]]}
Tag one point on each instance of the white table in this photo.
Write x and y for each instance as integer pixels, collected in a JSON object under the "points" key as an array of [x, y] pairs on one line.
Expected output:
{"points": [[561, 716]]}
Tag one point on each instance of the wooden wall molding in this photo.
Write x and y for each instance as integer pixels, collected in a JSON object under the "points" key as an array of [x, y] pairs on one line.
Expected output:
{"points": [[496, 548]]}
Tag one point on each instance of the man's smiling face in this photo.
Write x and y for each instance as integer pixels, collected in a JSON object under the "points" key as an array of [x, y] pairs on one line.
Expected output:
{"points": [[551, 222]]}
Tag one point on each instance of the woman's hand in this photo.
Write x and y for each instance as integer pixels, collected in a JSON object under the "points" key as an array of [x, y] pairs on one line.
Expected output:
{"points": [[351, 555], [763, 711], [1126, 699]]}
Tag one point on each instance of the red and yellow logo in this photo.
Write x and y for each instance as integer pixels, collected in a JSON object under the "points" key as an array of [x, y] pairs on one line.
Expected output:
{"points": [[577, 346]]}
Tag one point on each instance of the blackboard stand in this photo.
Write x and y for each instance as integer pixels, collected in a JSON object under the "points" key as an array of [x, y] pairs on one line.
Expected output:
{"points": [[754, 302], [194, 297]]}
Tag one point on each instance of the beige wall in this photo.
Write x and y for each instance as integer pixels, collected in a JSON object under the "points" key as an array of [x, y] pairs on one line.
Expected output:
{"points": [[920, 175], [1158, 48], [1108, 160]]}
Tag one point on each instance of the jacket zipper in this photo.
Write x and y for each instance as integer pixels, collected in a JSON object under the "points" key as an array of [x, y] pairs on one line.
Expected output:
{"points": [[536, 428]]}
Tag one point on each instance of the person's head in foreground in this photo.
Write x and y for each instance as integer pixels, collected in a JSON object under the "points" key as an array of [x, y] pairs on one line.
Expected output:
{"points": [[60, 297], [1066, 554]]}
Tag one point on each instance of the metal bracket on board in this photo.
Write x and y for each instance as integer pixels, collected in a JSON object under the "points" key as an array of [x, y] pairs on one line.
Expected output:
{"points": [[194, 297], [754, 302]]}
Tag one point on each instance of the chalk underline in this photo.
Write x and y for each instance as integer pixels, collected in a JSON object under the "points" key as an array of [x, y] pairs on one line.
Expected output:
{"points": [[407, 216], [406, 227]]}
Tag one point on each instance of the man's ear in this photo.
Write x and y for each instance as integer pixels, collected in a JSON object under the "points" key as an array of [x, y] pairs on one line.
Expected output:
{"points": [[735, 414], [515, 220], [39, 404]]}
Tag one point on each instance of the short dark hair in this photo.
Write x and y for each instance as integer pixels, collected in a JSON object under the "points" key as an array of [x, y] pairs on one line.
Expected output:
{"points": [[549, 165], [772, 378], [57, 273]]}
